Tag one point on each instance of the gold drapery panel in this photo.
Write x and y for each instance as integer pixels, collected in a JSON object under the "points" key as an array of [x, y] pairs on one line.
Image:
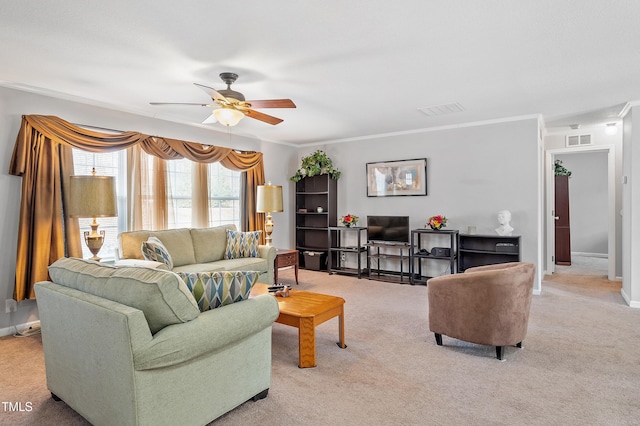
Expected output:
{"points": [[42, 157]]}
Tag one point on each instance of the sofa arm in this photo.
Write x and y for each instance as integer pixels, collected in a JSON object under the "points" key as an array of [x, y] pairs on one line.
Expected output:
{"points": [[88, 347], [268, 253], [210, 332]]}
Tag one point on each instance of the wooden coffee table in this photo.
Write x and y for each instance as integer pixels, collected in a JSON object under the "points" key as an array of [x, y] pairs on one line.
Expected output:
{"points": [[305, 310]]}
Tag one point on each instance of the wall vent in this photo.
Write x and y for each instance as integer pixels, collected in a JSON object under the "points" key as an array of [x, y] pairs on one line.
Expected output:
{"points": [[432, 111], [579, 140]]}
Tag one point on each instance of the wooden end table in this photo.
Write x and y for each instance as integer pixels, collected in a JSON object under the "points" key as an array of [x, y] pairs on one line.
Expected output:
{"points": [[305, 310], [285, 258]]}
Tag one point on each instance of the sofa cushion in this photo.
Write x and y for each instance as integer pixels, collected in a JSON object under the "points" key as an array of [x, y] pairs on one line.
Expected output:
{"points": [[242, 244], [153, 249], [140, 263], [130, 243], [209, 243], [179, 244], [161, 295], [214, 289]]}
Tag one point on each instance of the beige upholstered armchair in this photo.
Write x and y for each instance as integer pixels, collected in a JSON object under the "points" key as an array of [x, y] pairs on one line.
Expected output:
{"points": [[487, 305]]}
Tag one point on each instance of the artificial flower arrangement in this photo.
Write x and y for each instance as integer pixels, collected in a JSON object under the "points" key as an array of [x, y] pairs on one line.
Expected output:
{"points": [[437, 222], [349, 220], [316, 164]]}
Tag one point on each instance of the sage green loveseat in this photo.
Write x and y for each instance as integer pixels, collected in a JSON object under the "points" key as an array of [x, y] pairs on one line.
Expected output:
{"points": [[129, 346], [197, 250]]}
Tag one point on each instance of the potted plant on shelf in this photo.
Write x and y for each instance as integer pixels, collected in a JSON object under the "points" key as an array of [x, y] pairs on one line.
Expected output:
{"points": [[316, 164]]}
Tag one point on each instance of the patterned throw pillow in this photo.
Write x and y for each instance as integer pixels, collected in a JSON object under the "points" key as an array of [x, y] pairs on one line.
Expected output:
{"points": [[153, 249], [214, 289], [242, 244]]}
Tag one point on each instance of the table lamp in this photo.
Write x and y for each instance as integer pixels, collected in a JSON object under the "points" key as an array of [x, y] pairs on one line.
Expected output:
{"points": [[93, 196], [269, 200]]}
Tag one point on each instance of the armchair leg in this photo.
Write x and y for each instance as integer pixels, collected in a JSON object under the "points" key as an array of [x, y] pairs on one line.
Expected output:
{"points": [[519, 345], [261, 395], [499, 352], [438, 339]]}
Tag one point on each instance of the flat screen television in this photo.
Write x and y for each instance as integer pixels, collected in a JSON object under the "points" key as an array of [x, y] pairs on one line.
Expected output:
{"points": [[388, 229]]}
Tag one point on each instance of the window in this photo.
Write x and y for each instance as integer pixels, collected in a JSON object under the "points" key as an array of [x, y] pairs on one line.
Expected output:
{"points": [[223, 188], [224, 196], [179, 192]]}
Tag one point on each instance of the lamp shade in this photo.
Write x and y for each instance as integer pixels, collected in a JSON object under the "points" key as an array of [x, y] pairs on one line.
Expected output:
{"points": [[228, 116], [269, 198], [92, 196]]}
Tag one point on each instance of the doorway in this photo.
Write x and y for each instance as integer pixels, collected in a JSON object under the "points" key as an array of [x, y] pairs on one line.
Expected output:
{"points": [[605, 228]]}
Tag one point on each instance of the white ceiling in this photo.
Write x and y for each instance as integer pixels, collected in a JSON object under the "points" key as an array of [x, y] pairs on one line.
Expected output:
{"points": [[354, 68]]}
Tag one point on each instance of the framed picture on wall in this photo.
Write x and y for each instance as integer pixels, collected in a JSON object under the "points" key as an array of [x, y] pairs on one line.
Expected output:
{"points": [[397, 178]]}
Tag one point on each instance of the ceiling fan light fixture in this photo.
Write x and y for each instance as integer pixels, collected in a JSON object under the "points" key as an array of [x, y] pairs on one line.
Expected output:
{"points": [[227, 116]]}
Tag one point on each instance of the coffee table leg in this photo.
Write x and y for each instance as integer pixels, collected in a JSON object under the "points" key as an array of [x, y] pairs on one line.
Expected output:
{"points": [[341, 329], [307, 343]]}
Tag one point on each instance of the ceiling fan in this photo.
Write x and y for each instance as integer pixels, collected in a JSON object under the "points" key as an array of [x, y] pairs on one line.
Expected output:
{"points": [[232, 105]]}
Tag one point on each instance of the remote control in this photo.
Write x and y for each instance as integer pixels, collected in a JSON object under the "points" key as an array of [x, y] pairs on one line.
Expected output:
{"points": [[276, 287]]}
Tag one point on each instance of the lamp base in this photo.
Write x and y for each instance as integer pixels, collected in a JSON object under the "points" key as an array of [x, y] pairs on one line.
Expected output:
{"points": [[94, 241], [268, 229]]}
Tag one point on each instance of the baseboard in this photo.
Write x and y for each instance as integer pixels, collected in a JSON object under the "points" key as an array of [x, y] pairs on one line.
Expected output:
{"points": [[579, 253], [21, 330], [628, 300]]}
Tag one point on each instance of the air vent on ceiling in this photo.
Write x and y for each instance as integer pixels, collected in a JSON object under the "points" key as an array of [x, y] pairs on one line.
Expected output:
{"points": [[432, 111], [578, 140]]}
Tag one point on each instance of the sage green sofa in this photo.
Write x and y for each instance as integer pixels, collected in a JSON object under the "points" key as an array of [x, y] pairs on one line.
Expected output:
{"points": [[196, 250], [129, 346]]}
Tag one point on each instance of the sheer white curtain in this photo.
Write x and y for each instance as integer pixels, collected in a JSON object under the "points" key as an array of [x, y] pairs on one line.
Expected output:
{"points": [[166, 194], [147, 195]]}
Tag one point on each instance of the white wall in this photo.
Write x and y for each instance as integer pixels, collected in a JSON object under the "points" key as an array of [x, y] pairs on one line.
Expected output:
{"points": [[279, 165], [631, 207], [588, 201], [473, 172], [15, 103]]}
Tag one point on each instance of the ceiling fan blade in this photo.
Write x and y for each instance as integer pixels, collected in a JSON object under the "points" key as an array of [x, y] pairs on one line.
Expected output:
{"points": [[212, 92], [272, 103], [263, 117], [210, 119], [180, 103]]}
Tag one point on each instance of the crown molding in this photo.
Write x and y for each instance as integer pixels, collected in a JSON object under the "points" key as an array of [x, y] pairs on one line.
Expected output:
{"points": [[428, 129], [627, 107]]}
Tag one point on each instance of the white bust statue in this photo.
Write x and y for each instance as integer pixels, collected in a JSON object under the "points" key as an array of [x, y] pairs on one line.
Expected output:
{"points": [[504, 217]]}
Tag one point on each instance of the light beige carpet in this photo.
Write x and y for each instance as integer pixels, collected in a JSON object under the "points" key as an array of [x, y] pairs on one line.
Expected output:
{"points": [[580, 365], [585, 265]]}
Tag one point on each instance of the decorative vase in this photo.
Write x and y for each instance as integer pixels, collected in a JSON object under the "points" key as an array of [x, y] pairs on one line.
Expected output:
{"points": [[435, 228], [348, 225]]}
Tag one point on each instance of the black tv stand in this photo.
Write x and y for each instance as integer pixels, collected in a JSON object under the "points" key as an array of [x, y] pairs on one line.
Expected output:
{"points": [[381, 250]]}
